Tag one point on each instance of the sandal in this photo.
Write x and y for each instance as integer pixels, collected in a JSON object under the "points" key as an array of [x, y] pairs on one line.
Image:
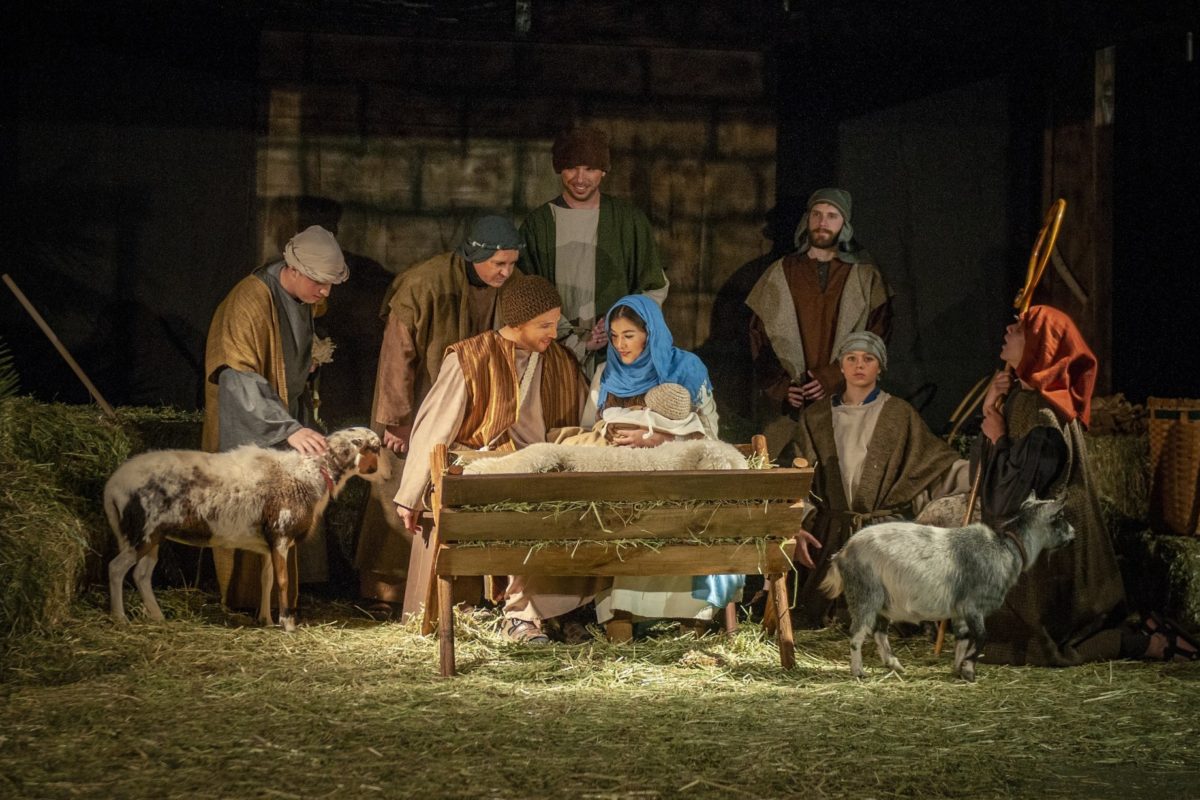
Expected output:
{"points": [[1174, 634], [523, 631]]}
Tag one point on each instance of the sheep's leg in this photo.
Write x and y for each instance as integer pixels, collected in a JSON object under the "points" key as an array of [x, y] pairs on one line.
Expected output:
{"points": [[279, 554], [116, 581], [884, 646], [978, 634], [856, 643], [961, 643], [266, 581], [141, 577]]}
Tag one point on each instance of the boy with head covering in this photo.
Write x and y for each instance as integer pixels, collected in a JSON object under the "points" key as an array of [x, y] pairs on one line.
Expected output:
{"points": [[499, 390], [427, 308], [875, 459], [803, 304], [257, 361], [594, 247]]}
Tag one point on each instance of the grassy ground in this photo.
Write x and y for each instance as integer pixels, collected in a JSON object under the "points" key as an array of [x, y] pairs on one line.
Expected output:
{"points": [[348, 707]]}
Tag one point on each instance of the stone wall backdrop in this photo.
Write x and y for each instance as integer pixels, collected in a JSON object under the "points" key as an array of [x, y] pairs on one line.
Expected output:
{"points": [[403, 142]]}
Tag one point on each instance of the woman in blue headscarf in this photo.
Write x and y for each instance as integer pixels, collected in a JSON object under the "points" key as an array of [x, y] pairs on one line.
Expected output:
{"points": [[641, 356]]}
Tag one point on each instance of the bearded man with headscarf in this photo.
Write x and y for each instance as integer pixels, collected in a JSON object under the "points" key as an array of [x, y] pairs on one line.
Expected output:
{"points": [[427, 308], [257, 362], [803, 305]]}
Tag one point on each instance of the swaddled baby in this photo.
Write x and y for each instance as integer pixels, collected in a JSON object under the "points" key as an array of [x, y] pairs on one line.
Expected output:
{"points": [[668, 410]]}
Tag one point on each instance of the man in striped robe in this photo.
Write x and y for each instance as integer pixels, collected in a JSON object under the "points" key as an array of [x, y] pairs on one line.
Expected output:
{"points": [[500, 390]]}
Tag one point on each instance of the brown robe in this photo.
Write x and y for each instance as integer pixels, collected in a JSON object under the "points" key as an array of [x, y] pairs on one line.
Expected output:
{"points": [[789, 338], [904, 459], [426, 309], [1059, 613]]}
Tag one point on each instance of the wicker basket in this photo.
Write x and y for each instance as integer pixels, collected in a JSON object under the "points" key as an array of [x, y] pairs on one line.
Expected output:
{"points": [[1175, 465]]}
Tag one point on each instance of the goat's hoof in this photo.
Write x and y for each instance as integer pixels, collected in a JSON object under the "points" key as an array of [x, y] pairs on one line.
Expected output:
{"points": [[288, 624], [894, 665], [967, 674]]}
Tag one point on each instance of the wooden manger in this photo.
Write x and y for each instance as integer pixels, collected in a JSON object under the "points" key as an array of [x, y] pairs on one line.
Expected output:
{"points": [[686, 522]]}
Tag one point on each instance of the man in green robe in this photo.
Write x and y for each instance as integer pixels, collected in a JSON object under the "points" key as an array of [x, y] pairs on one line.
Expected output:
{"points": [[427, 308], [595, 248]]}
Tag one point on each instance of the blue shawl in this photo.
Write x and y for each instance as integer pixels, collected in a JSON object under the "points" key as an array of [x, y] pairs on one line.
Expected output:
{"points": [[660, 362]]}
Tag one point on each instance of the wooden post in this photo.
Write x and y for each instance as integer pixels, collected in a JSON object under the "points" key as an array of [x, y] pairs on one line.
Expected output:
{"points": [[445, 595], [62, 350], [437, 469], [783, 620]]}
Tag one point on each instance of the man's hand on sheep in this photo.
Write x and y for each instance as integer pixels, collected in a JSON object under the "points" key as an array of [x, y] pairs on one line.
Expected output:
{"points": [[395, 438], [307, 441], [801, 556], [636, 437]]}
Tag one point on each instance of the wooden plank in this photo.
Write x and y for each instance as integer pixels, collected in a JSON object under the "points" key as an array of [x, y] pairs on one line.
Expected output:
{"points": [[699, 522], [737, 484], [445, 593], [599, 559]]}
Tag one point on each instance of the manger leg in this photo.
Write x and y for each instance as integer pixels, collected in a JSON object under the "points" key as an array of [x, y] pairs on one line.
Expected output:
{"points": [[783, 619], [445, 597]]}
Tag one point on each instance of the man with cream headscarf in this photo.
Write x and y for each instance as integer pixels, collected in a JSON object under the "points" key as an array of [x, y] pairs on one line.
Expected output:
{"points": [[256, 363], [803, 304], [427, 308]]}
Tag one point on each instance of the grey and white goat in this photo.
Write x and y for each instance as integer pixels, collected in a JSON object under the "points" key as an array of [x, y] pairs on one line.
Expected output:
{"points": [[909, 572]]}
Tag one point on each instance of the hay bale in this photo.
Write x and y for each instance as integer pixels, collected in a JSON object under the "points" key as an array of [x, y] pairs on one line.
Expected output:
{"points": [[1120, 469], [1162, 571], [43, 546]]}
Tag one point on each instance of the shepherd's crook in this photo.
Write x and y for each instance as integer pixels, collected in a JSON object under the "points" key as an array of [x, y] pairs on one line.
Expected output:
{"points": [[1038, 259], [62, 351]]}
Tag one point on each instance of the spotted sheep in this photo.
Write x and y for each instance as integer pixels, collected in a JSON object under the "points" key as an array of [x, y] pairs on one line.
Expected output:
{"points": [[251, 498], [912, 572]]}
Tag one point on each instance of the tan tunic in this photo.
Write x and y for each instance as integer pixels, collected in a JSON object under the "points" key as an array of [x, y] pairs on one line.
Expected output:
{"points": [[441, 420]]}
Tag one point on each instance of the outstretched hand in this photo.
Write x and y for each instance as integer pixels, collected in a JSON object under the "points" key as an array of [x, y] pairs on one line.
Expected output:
{"points": [[598, 338], [307, 441], [801, 556], [395, 438], [409, 517]]}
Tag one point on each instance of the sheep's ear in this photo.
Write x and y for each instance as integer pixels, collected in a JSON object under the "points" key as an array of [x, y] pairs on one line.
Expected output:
{"points": [[1031, 500], [1055, 506]]}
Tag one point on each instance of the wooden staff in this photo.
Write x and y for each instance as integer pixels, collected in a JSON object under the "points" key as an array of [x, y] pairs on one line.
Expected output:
{"points": [[1043, 248], [62, 351], [1038, 259]]}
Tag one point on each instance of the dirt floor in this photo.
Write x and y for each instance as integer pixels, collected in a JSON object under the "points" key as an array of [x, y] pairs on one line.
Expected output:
{"points": [[350, 707]]}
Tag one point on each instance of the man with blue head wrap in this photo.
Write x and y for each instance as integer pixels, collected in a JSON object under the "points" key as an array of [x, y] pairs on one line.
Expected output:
{"points": [[428, 307]]}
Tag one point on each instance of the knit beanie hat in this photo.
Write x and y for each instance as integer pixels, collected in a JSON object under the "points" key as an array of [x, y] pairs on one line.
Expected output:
{"points": [[1058, 363], [488, 235], [671, 400], [865, 341], [524, 297], [314, 252], [581, 147], [838, 198]]}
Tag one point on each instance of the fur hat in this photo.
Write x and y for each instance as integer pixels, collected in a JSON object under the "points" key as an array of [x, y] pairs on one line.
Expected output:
{"points": [[524, 297], [581, 147]]}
